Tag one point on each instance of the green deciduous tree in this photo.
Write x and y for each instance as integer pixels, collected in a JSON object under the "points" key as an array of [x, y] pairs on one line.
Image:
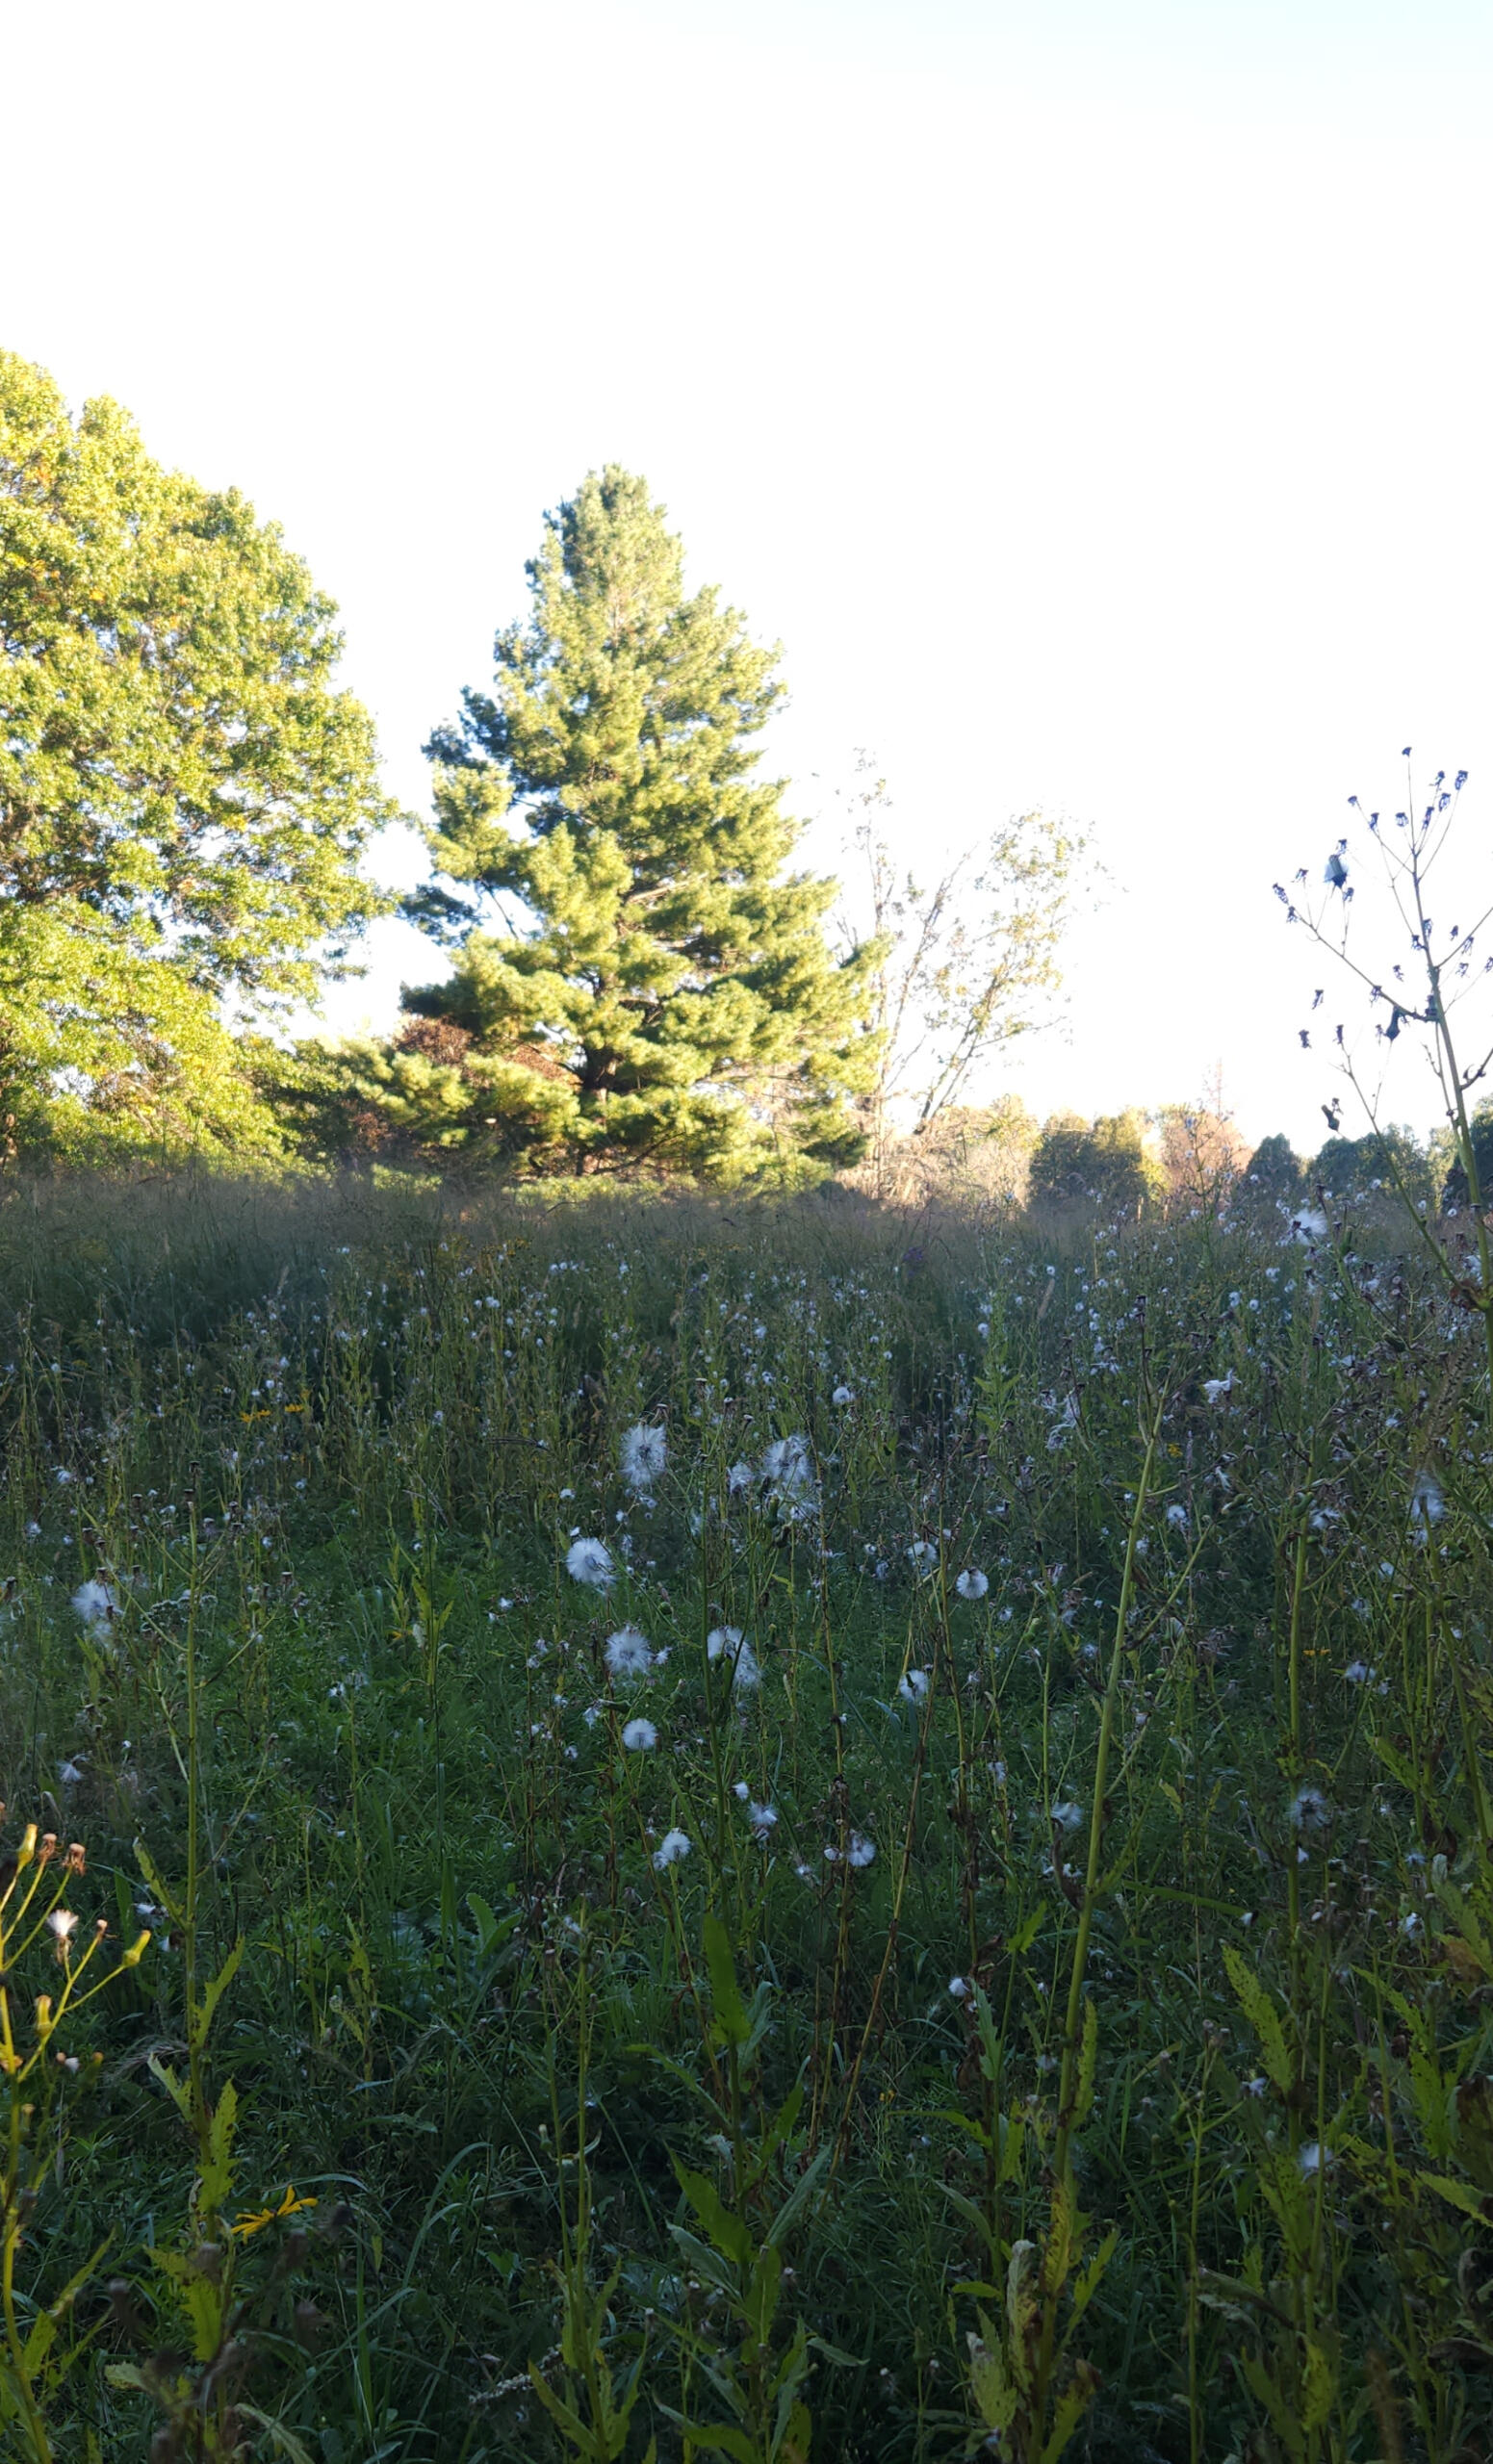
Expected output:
{"points": [[1106, 1164], [1390, 1158], [638, 981], [1276, 1170], [184, 794]]}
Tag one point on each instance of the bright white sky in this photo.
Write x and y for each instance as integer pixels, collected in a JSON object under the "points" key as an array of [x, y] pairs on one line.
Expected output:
{"points": [[1092, 396]]}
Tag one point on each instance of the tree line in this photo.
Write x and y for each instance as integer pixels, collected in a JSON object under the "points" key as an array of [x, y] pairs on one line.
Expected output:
{"points": [[642, 977]]}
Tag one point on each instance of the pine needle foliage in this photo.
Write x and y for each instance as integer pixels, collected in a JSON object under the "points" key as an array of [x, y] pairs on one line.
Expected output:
{"points": [[638, 980]]}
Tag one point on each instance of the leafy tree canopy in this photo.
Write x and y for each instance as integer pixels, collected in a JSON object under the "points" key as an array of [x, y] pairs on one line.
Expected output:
{"points": [[637, 980], [1452, 1176], [1392, 1159], [184, 794], [1107, 1163], [1276, 1168]]}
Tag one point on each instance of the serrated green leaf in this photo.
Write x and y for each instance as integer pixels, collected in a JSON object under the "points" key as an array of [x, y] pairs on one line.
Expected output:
{"points": [[1088, 2063], [154, 1884], [215, 1990], [486, 1922], [1264, 2018], [726, 2003], [1456, 2194]]}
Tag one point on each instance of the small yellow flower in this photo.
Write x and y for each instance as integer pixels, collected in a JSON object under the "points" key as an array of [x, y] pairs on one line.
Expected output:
{"points": [[290, 2205]]}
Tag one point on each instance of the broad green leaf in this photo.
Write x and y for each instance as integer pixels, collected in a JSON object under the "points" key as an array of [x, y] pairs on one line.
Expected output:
{"points": [[725, 1994], [727, 2231]]}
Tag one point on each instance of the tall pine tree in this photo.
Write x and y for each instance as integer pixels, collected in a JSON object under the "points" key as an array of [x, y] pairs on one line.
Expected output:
{"points": [[638, 981]]}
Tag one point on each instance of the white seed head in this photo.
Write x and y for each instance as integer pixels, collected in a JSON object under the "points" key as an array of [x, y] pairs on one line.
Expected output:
{"points": [[590, 1561]]}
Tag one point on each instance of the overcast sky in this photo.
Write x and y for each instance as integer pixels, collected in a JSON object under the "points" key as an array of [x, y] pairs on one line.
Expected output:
{"points": [[1091, 398]]}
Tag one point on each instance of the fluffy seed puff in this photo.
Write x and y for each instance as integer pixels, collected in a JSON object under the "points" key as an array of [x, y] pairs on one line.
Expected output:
{"points": [[972, 1585], [627, 1656], [787, 1466], [1309, 1811], [727, 1643], [671, 1848], [590, 1561], [96, 1605], [642, 1454]]}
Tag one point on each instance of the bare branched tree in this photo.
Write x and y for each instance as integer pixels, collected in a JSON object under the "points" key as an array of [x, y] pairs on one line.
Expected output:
{"points": [[970, 962]]}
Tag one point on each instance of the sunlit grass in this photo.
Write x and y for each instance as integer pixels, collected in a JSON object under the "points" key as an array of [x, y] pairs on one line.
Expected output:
{"points": [[703, 1964]]}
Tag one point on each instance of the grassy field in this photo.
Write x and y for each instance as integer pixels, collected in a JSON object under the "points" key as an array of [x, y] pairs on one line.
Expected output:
{"points": [[961, 1923]]}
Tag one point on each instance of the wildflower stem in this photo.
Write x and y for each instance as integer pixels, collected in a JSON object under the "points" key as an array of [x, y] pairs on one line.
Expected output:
{"points": [[1071, 2025], [1194, 2418], [1294, 1774], [194, 2048]]}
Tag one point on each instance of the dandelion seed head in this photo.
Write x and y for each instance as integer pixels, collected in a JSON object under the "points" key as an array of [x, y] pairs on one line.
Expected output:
{"points": [[674, 1846], [642, 1455], [787, 1466], [95, 1603], [590, 1561], [640, 1736], [972, 1585], [627, 1656], [726, 1643], [1308, 1810]]}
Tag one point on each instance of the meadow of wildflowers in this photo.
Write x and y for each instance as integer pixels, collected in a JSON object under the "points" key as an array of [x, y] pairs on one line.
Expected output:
{"points": [[763, 1832]]}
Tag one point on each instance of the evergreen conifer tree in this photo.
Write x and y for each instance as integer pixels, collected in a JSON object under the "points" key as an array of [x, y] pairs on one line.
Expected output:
{"points": [[637, 980]]}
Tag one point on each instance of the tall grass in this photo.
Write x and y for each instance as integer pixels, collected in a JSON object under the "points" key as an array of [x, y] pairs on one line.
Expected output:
{"points": [[1064, 2027]]}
